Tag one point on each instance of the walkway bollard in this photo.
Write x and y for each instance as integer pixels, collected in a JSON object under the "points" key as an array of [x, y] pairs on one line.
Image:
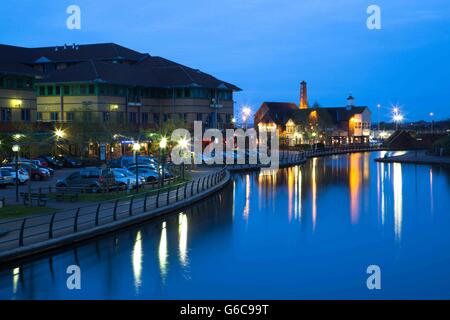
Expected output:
{"points": [[130, 210], [116, 203], [97, 214], [168, 194], [22, 231], [50, 228], [75, 223], [157, 198], [145, 202]]}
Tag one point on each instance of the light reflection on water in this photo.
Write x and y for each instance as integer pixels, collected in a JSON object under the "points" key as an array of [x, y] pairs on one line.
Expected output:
{"points": [[301, 232]]}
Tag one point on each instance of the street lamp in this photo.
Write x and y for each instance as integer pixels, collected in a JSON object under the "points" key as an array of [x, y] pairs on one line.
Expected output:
{"points": [[162, 146], [136, 148], [183, 144], [432, 121], [397, 116], [378, 108], [246, 111], [58, 134], [16, 149]]}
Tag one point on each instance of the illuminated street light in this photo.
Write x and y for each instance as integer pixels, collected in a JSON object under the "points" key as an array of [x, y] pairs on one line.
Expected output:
{"points": [[162, 146], [246, 112], [16, 149], [59, 133], [432, 121], [136, 149], [163, 143], [378, 109], [183, 143]]}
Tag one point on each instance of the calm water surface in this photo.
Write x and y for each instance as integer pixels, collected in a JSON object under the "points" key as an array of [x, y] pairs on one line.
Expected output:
{"points": [[299, 233]]}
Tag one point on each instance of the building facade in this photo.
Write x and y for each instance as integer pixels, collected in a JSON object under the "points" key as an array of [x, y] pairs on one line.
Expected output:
{"points": [[106, 83], [300, 124]]}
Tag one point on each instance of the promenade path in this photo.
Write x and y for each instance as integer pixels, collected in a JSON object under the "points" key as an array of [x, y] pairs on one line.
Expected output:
{"points": [[40, 228]]}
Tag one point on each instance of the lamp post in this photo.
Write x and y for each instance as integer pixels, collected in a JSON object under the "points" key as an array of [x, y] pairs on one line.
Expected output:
{"points": [[432, 121], [136, 148], [162, 146], [58, 134], [183, 145], [397, 116], [246, 111], [378, 108], [16, 149]]}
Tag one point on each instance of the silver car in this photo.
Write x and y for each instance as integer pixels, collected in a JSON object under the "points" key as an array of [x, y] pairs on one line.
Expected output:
{"points": [[22, 173], [5, 177], [125, 179]]}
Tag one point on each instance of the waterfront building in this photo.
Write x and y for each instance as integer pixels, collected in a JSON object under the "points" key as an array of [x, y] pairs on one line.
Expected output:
{"points": [[107, 83], [304, 125]]}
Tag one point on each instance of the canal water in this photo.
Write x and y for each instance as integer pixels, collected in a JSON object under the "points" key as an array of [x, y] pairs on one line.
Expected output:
{"points": [[304, 232]]}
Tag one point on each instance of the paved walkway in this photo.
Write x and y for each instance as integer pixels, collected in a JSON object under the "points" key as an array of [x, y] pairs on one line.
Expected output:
{"points": [[40, 228], [417, 157]]}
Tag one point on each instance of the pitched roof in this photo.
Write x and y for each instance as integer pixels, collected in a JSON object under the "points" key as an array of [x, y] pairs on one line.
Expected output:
{"points": [[281, 112], [98, 51], [11, 67], [150, 72], [94, 63], [278, 112]]}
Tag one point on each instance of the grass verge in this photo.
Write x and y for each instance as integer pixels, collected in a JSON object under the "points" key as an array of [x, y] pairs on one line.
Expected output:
{"points": [[18, 211]]}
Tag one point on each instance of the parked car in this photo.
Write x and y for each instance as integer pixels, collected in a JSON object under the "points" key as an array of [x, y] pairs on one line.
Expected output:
{"points": [[5, 177], [125, 181], [126, 161], [37, 172], [35, 165], [22, 173], [150, 174], [40, 162], [128, 173], [51, 161], [90, 179], [68, 161]]}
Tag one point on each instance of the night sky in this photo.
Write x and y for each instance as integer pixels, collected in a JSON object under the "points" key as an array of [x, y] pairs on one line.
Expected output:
{"points": [[267, 47]]}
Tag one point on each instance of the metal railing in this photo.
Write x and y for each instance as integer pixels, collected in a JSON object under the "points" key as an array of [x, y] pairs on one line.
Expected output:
{"points": [[288, 157], [27, 231]]}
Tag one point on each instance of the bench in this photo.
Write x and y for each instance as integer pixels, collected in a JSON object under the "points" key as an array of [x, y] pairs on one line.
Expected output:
{"points": [[40, 198], [62, 193]]}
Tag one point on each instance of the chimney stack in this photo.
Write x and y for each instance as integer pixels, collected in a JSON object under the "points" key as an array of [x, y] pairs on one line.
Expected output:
{"points": [[350, 102], [303, 96]]}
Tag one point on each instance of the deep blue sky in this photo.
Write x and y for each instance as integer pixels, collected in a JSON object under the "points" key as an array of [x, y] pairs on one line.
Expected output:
{"points": [[268, 46]]}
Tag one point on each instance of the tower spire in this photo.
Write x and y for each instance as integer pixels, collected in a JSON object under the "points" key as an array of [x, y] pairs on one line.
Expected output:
{"points": [[303, 95]]}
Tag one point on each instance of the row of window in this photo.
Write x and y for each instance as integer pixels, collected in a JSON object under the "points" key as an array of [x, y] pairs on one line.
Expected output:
{"points": [[363, 125], [25, 115], [134, 93], [20, 83], [6, 114]]}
